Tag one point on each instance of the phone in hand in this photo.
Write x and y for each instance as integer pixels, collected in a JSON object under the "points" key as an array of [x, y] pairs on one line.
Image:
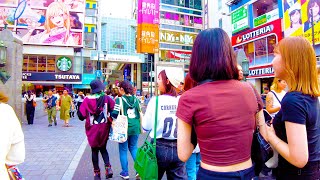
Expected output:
{"points": [[268, 118]]}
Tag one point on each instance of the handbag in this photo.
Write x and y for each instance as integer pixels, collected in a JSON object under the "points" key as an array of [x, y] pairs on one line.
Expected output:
{"points": [[146, 160], [261, 150], [14, 172], [119, 128], [34, 103]]}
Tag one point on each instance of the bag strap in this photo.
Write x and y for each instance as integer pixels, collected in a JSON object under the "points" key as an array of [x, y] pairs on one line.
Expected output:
{"points": [[155, 123], [121, 106], [276, 96]]}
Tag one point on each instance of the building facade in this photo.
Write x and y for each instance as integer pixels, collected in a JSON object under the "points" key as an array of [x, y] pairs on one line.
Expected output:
{"points": [[180, 22], [118, 51], [218, 15], [258, 25]]}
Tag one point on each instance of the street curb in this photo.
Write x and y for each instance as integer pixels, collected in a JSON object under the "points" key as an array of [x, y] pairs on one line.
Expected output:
{"points": [[75, 161]]}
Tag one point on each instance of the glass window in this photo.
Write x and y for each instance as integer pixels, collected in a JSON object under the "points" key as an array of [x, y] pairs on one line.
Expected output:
{"points": [[263, 7], [271, 40], [25, 63], [51, 64], [88, 66], [219, 4], [220, 23], [260, 51], [91, 12], [32, 65], [42, 63]]}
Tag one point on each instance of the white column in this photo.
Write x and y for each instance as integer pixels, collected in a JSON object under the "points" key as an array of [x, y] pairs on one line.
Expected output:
{"points": [[139, 76]]}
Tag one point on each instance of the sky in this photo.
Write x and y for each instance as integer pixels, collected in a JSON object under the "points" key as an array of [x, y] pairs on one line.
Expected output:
{"points": [[116, 8]]}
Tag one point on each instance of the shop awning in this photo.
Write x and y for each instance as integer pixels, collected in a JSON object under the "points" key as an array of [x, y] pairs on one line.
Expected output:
{"points": [[81, 86]]}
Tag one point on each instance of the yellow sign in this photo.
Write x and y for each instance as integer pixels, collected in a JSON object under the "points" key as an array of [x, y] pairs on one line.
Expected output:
{"points": [[298, 21], [148, 38]]}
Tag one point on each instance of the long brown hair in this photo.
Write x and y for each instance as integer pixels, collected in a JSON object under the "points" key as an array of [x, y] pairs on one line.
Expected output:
{"points": [[189, 83], [169, 88], [300, 65], [3, 97]]}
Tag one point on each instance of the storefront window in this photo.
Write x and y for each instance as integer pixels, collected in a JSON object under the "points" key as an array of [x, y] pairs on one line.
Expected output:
{"points": [[260, 47], [249, 50], [88, 66], [196, 4], [259, 52], [263, 7], [39, 64]]}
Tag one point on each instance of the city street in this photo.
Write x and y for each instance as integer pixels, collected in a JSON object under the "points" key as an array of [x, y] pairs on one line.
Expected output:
{"points": [[58, 152]]}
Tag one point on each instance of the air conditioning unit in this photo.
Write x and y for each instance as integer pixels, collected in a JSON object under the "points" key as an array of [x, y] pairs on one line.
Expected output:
{"points": [[232, 2], [106, 71]]}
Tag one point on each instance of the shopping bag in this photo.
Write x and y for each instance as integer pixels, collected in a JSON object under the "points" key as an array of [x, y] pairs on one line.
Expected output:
{"points": [[146, 160], [119, 127]]}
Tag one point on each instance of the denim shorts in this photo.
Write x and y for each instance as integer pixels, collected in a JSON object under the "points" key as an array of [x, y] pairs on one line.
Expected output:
{"points": [[246, 174]]}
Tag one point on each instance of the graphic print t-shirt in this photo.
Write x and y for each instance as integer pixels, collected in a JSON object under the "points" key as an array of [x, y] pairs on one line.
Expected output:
{"points": [[167, 119]]}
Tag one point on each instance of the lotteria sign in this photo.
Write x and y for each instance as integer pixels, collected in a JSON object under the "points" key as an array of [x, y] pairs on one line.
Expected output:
{"points": [[273, 27], [261, 71]]}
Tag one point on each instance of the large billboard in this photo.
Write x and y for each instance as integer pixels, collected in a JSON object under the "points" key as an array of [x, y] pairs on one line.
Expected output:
{"points": [[148, 26], [45, 22], [179, 38], [298, 17]]}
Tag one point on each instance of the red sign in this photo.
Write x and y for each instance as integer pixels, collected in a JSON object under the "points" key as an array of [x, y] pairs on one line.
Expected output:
{"points": [[261, 71], [168, 54], [273, 27]]}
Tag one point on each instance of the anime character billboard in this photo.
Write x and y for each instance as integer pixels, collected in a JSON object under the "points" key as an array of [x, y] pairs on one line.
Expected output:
{"points": [[299, 16], [45, 22]]}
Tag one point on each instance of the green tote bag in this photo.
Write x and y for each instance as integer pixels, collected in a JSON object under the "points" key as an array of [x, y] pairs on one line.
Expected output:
{"points": [[146, 160]]}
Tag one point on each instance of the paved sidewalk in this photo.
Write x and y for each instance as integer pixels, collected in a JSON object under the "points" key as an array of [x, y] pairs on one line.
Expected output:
{"points": [[85, 167], [52, 152]]}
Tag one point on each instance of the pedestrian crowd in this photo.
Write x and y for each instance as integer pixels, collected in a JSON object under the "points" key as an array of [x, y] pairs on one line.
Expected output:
{"points": [[204, 125]]}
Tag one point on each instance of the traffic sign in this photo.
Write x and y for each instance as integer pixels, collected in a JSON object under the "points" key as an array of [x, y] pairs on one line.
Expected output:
{"points": [[98, 73]]}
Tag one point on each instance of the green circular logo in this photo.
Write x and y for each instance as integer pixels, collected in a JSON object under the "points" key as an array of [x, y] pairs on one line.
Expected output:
{"points": [[64, 63]]}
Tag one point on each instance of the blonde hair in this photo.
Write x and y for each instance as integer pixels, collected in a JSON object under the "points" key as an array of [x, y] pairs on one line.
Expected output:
{"points": [[54, 10], [3, 97], [300, 65], [275, 85]]}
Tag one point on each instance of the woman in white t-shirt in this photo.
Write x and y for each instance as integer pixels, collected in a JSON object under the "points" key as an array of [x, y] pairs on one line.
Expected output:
{"points": [[275, 96], [12, 148], [166, 132]]}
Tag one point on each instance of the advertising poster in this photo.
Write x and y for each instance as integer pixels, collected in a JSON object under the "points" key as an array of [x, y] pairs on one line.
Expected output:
{"points": [[45, 22], [292, 18], [239, 19], [311, 8], [148, 26], [298, 18]]}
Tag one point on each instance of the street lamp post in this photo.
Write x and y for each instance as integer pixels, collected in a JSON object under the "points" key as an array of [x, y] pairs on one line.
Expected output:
{"points": [[312, 26], [245, 68], [105, 52]]}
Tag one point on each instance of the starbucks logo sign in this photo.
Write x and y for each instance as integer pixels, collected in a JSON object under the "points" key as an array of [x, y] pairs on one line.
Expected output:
{"points": [[64, 63]]}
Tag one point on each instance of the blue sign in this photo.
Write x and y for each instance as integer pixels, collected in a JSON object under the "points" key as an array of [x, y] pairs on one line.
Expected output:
{"points": [[87, 78], [98, 73]]}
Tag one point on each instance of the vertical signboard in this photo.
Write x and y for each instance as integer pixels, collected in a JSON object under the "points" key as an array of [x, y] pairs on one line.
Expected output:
{"points": [[50, 22], [239, 19], [148, 26], [298, 19]]}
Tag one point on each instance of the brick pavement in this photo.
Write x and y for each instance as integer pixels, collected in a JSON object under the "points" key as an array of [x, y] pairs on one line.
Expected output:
{"points": [[52, 152]]}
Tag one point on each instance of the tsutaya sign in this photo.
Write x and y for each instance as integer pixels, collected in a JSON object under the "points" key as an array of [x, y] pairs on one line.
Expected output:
{"points": [[65, 77], [273, 27], [261, 71]]}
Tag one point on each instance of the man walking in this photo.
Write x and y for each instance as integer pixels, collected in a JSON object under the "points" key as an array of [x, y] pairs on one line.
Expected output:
{"points": [[51, 108], [65, 104]]}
